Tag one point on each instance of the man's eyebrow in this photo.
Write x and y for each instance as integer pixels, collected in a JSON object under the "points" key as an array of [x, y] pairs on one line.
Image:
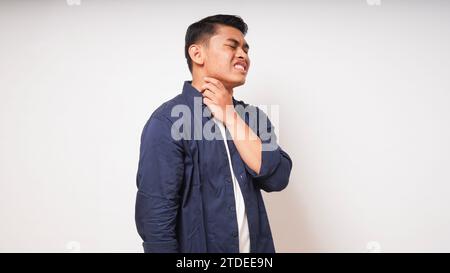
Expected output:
{"points": [[236, 42]]}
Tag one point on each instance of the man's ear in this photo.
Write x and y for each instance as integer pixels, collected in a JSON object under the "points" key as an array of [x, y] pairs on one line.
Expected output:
{"points": [[196, 53]]}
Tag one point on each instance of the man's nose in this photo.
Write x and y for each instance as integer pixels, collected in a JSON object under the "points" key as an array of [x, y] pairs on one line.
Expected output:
{"points": [[241, 54]]}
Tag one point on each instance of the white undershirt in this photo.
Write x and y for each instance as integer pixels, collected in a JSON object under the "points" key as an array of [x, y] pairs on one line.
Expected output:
{"points": [[244, 235]]}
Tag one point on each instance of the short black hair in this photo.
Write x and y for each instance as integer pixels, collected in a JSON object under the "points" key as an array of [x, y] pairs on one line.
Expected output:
{"points": [[206, 27]]}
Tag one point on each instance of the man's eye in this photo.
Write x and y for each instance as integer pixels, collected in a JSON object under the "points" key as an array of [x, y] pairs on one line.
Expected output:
{"points": [[232, 46]]}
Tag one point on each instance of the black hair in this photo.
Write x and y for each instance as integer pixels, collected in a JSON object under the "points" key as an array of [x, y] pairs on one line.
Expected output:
{"points": [[206, 27]]}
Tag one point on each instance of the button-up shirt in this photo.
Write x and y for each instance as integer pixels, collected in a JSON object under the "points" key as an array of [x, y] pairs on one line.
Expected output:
{"points": [[185, 200]]}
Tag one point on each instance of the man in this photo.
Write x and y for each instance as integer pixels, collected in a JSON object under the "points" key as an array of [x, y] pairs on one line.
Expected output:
{"points": [[203, 194]]}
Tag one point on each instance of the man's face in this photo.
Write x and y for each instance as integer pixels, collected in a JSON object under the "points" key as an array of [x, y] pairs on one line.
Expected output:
{"points": [[226, 56]]}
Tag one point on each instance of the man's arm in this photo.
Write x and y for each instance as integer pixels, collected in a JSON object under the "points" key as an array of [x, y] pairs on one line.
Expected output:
{"points": [[160, 174], [247, 143], [264, 160], [276, 165], [220, 102]]}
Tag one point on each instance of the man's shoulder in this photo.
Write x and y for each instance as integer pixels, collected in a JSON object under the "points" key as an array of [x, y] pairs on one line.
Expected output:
{"points": [[243, 107], [164, 111], [161, 119], [240, 102], [159, 125]]}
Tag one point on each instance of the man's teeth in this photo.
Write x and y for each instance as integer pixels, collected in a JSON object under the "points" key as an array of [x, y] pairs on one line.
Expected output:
{"points": [[240, 67]]}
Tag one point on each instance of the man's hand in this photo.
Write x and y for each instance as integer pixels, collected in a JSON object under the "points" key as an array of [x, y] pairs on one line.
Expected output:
{"points": [[218, 99]]}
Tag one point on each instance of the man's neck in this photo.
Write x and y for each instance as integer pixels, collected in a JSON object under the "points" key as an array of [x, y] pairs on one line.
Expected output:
{"points": [[198, 82]]}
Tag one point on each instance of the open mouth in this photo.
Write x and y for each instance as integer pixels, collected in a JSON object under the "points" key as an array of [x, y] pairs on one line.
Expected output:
{"points": [[241, 66]]}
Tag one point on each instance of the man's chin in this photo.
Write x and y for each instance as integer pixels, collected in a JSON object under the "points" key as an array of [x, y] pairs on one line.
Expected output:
{"points": [[236, 83]]}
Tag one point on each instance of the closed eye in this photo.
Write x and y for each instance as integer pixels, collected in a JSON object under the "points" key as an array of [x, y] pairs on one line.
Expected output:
{"points": [[234, 47], [234, 44]]}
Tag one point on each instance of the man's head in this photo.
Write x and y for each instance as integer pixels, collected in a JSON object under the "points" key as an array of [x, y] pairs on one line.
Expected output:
{"points": [[215, 47]]}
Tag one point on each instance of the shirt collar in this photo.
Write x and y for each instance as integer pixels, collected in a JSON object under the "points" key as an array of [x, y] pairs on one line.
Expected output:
{"points": [[190, 92]]}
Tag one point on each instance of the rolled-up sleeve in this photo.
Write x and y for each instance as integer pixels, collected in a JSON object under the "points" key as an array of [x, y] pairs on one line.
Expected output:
{"points": [[276, 164], [159, 178]]}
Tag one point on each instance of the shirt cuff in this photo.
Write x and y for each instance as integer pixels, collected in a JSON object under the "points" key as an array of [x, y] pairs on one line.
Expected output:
{"points": [[269, 162]]}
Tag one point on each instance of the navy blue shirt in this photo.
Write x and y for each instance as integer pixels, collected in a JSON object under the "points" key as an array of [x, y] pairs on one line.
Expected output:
{"points": [[185, 199]]}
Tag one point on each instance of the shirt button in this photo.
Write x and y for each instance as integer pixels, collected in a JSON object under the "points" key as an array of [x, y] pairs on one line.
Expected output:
{"points": [[228, 180], [232, 208], [235, 234]]}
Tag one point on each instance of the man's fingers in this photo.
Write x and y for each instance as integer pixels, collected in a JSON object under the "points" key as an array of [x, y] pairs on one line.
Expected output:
{"points": [[209, 86], [207, 101], [208, 93]]}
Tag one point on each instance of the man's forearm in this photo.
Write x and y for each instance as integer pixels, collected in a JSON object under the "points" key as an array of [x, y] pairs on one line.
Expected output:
{"points": [[246, 141]]}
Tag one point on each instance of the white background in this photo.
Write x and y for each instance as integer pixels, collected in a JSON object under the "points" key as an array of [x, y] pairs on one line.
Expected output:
{"points": [[363, 89]]}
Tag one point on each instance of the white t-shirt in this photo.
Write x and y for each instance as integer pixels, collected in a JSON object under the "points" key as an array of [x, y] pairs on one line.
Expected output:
{"points": [[244, 234]]}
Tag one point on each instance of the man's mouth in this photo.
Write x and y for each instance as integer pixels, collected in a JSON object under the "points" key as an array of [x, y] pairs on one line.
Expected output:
{"points": [[241, 66]]}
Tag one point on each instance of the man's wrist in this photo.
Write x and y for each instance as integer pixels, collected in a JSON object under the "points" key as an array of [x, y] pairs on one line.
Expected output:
{"points": [[231, 118]]}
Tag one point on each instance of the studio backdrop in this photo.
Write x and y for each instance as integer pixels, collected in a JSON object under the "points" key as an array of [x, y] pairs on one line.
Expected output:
{"points": [[362, 88]]}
